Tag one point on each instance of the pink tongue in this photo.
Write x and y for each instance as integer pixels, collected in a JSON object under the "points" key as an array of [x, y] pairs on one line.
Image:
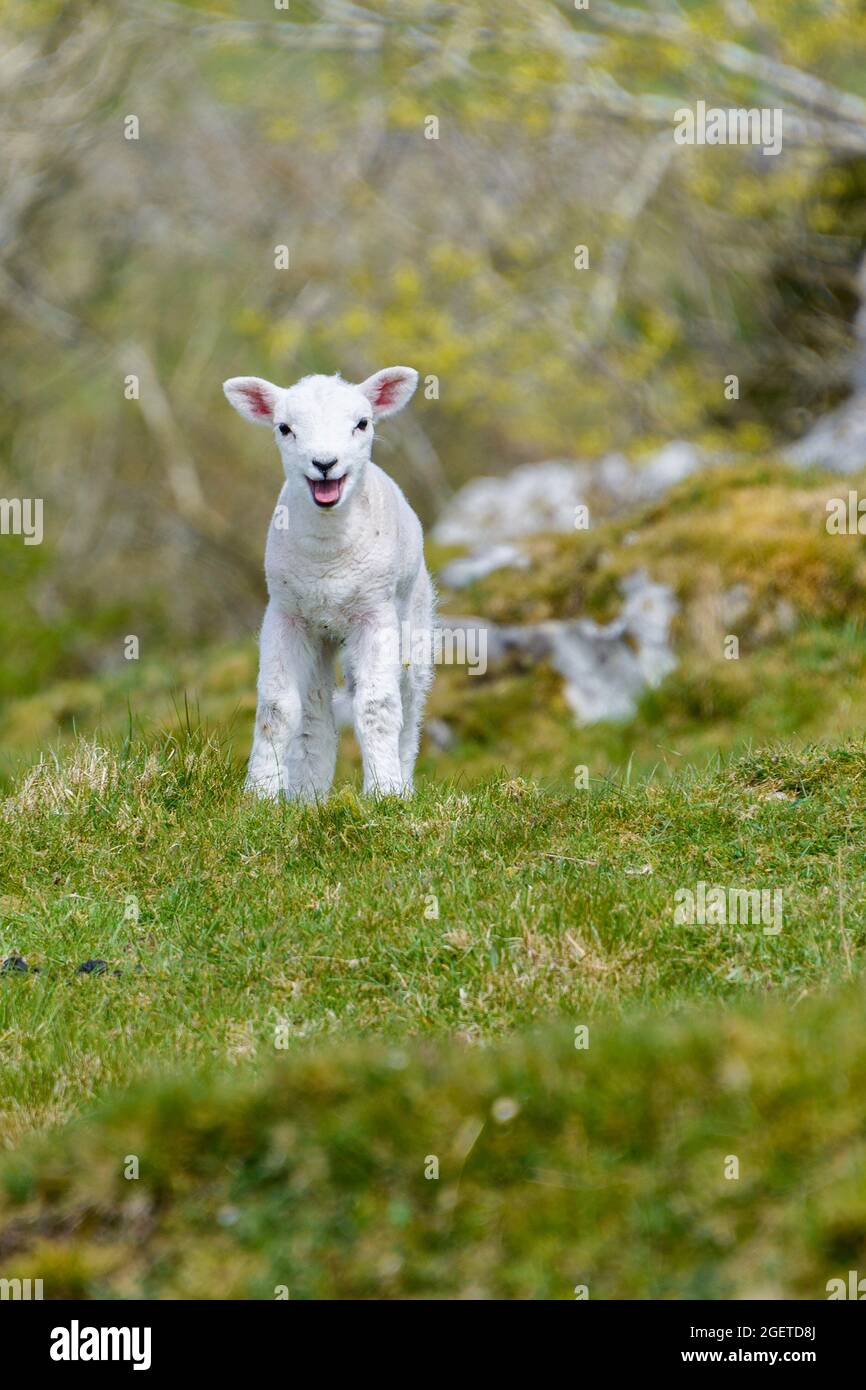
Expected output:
{"points": [[328, 490]]}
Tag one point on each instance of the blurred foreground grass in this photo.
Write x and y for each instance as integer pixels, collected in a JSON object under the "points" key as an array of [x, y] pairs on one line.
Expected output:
{"points": [[522, 1170]]}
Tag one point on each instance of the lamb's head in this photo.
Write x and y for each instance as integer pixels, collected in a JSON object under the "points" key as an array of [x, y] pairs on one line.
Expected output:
{"points": [[323, 426]]}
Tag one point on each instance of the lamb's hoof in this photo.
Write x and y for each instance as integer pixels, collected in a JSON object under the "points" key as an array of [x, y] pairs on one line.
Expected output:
{"points": [[304, 796], [266, 790], [402, 790]]}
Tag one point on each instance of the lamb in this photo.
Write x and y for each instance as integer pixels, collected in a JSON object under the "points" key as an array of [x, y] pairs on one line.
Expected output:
{"points": [[345, 571]]}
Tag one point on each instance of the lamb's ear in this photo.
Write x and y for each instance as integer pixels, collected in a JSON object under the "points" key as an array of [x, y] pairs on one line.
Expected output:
{"points": [[253, 397], [389, 390]]}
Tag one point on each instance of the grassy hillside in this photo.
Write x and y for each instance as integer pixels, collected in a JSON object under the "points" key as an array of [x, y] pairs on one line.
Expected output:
{"points": [[294, 1007], [744, 548]]}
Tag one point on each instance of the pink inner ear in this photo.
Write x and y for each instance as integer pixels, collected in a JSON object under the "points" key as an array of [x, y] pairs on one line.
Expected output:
{"points": [[257, 401], [386, 391]]}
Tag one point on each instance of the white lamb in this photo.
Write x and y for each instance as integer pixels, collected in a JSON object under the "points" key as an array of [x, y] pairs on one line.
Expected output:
{"points": [[345, 569]]}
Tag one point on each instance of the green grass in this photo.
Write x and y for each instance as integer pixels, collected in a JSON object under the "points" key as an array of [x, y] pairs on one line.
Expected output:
{"points": [[227, 917], [607, 1167], [419, 961]]}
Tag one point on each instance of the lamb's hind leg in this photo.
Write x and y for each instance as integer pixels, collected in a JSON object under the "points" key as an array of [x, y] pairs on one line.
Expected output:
{"points": [[286, 658], [372, 655], [416, 676]]}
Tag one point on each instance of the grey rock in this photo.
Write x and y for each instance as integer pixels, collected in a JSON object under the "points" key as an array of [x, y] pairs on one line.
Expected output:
{"points": [[533, 497], [539, 497], [605, 666], [836, 442], [458, 573]]}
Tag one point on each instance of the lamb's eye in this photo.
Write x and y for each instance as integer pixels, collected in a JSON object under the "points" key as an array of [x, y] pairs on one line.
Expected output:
{"points": [[284, 429], [362, 424]]}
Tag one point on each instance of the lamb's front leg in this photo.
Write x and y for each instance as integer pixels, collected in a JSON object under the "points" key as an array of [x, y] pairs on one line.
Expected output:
{"points": [[311, 761], [373, 653], [286, 659]]}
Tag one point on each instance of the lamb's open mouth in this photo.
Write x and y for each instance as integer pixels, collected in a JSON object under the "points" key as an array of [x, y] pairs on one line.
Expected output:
{"points": [[326, 491]]}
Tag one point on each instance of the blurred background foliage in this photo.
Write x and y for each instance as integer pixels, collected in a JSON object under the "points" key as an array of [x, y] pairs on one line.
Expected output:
{"points": [[306, 128]]}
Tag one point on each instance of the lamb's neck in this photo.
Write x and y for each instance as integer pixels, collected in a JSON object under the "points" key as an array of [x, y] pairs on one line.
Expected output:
{"points": [[331, 532]]}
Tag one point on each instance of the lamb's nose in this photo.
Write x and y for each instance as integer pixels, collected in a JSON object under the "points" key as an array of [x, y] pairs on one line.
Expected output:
{"points": [[323, 465]]}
